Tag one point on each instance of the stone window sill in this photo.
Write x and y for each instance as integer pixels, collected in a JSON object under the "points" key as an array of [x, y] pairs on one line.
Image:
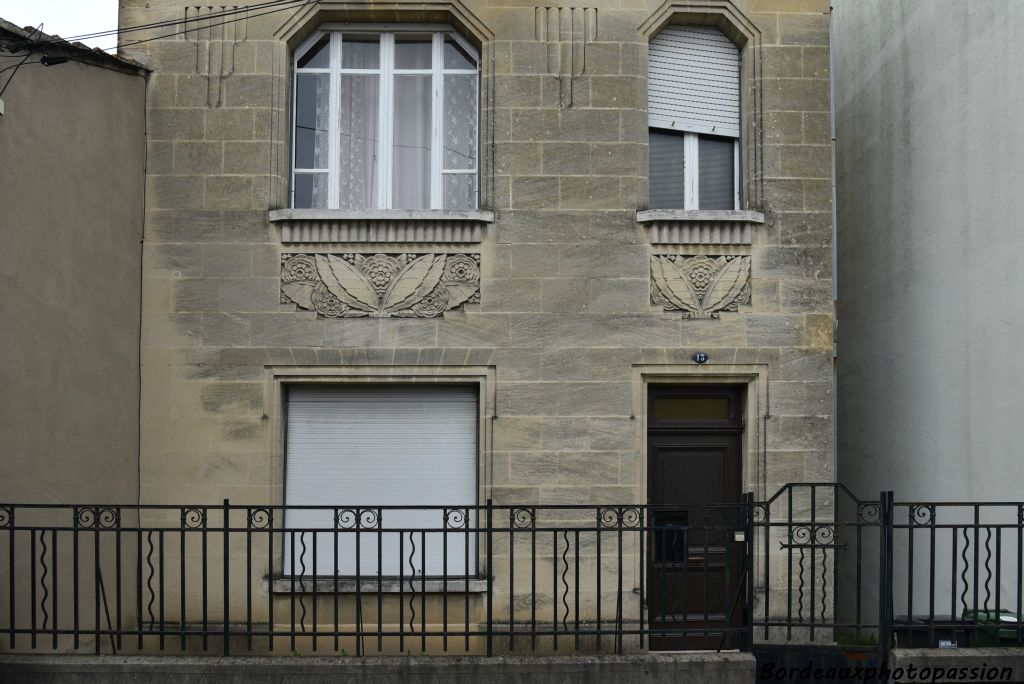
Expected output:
{"points": [[385, 225], [346, 585], [699, 227]]}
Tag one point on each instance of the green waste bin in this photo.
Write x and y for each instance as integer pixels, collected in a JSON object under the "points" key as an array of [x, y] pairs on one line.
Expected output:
{"points": [[1001, 628]]}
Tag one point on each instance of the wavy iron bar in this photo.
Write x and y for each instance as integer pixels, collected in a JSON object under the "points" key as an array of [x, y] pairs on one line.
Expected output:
{"points": [[604, 577]]}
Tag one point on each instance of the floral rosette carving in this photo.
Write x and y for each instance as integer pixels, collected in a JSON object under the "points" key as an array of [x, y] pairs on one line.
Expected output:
{"points": [[700, 286], [380, 285]]}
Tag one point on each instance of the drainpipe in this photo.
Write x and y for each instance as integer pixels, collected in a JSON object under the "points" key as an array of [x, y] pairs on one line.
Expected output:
{"points": [[835, 250]]}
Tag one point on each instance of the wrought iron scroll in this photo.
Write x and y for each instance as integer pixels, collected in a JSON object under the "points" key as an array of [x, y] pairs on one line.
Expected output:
{"points": [[522, 518], [456, 518], [260, 518], [922, 515], [97, 517], [619, 517], [193, 518]]}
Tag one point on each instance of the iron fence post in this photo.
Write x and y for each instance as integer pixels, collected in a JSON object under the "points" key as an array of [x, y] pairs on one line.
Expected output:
{"points": [[227, 582], [748, 570], [885, 577], [490, 578]]}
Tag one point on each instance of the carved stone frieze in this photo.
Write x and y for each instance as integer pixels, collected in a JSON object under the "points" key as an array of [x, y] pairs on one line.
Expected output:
{"points": [[380, 285], [700, 286]]}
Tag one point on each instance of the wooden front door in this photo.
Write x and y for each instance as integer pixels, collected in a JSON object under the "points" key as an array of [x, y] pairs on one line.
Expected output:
{"points": [[694, 566]]}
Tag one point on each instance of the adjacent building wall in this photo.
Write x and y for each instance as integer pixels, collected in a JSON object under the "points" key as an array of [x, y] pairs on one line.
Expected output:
{"points": [[931, 313], [72, 179], [72, 141], [929, 171]]}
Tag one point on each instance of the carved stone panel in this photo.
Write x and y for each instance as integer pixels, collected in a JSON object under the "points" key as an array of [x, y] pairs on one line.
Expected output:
{"points": [[700, 286], [567, 31], [380, 285], [216, 33]]}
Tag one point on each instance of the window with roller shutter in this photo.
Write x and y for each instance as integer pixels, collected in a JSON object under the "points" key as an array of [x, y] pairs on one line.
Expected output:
{"points": [[378, 446], [693, 96]]}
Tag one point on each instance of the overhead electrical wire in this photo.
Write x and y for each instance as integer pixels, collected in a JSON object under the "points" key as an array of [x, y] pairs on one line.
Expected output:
{"points": [[173, 22], [34, 46], [192, 24], [290, 4]]}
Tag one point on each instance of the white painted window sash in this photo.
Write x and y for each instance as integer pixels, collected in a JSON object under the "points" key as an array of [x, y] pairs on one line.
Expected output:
{"points": [[334, 130], [386, 74], [386, 118], [691, 171], [476, 141], [736, 174], [437, 123]]}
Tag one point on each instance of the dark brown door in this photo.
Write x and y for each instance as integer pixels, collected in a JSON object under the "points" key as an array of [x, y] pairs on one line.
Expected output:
{"points": [[694, 568]]}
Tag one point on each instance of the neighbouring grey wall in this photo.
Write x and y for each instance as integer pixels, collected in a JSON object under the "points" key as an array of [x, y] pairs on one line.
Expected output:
{"points": [[72, 163], [929, 104]]}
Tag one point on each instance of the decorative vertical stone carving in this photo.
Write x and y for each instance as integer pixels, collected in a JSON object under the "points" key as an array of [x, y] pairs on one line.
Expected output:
{"points": [[215, 38], [380, 285], [700, 286], [567, 32]]}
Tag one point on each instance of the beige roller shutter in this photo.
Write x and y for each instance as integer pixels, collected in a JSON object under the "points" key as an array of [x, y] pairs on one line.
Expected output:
{"points": [[694, 81], [390, 445]]}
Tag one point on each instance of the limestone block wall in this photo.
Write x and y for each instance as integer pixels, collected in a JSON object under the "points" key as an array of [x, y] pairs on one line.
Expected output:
{"points": [[565, 323]]}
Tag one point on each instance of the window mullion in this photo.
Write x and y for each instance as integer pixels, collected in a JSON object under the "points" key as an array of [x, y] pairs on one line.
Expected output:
{"points": [[294, 122], [385, 120], [334, 125], [437, 124], [691, 171], [736, 173]]}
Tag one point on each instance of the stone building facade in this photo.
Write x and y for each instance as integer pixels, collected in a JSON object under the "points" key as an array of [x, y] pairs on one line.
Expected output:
{"points": [[557, 293]]}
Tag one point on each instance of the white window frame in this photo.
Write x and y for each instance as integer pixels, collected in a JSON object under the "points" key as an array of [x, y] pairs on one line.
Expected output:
{"points": [[691, 171], [386, 73], [691, 145]]}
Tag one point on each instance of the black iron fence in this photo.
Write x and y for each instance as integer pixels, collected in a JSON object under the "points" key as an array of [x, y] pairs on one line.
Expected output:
{"points": [[812, 564]]}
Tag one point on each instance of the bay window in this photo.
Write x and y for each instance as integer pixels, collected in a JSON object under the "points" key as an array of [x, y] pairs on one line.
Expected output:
{"points": [[385, 120]]}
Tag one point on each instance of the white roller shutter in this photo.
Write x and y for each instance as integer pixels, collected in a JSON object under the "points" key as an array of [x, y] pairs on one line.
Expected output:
{"points": [[391, 445], [693, 81]]}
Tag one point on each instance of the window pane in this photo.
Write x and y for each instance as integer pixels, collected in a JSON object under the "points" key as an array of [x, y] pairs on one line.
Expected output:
{"points": [[666, 170], [318, 56], [312, 100], [360, 52], [455, 57], [413, 52], [310, 191], [358, 123], [411, 152], [460, 121], [460, 191], [716, 173], [691, 408]]}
